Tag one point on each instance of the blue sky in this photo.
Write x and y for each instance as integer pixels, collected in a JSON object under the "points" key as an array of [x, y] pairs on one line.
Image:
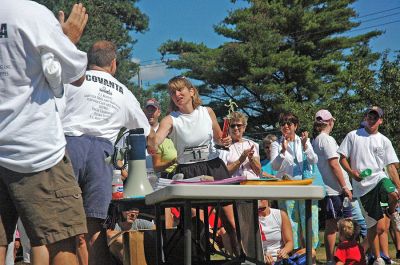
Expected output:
{"points": [[193, 20]]}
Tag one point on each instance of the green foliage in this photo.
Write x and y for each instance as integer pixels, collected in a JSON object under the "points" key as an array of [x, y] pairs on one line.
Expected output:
{"points": [[113, 21], [284, 56], [388, 96]]}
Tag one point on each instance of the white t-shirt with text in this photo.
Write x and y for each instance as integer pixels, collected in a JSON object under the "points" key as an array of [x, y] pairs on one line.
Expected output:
{"points": [[31, 135], [101, 107], [364, 150]]}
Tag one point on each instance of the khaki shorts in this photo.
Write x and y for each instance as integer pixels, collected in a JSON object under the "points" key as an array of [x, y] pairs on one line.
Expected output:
{"points": [[49, 204]]}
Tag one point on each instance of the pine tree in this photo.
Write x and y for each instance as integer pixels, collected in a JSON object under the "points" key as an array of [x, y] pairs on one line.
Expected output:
{"points": [[282, 55]]}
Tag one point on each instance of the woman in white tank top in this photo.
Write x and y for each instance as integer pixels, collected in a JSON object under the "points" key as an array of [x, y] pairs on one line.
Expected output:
{"points": [[194, 130], [276, 233]]}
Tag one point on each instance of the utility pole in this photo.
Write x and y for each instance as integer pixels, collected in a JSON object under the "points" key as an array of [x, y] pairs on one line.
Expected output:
{"points": [[138, 77]]}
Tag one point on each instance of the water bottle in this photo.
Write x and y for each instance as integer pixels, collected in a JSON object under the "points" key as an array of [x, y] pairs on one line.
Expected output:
{"points": [[365, 173], [346, 202], [117, 185], [152, 177]]}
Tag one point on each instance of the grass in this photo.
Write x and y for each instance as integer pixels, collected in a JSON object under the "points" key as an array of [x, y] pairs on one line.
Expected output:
{"points": [[321, 260]]}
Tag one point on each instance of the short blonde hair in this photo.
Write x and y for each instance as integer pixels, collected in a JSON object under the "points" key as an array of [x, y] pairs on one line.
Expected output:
{"points": [[269, 139], [238, 116], [348, 229], [179, 82]]}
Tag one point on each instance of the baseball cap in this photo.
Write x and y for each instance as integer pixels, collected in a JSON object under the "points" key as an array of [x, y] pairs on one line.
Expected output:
{"points": [[152, 102], [377, 110], [323, 115]]}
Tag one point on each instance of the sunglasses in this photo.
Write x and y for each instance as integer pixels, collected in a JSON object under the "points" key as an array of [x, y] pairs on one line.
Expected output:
{"points": [[236, 125], [288, 123]]}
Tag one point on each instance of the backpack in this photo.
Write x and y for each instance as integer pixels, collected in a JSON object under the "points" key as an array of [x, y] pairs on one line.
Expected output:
{"points": [[295, 259]]}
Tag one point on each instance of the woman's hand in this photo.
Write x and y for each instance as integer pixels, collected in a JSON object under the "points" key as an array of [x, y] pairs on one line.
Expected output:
{"points": [[247, 153], [304, 138], [227, 141], [283, 254], [269, 260], [284, 145]]}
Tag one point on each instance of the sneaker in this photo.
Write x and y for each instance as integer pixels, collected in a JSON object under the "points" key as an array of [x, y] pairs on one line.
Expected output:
{"points": [[387, 259], [379, 261], [370, 259]]}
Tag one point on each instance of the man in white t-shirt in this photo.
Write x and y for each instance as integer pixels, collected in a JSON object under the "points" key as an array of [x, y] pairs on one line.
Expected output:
{"points": [[93, 116], [336, 180], [36, 175], [367, 148]]}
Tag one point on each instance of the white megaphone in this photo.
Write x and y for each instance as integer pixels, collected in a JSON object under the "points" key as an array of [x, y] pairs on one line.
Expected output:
{"points": [[136, 185]]}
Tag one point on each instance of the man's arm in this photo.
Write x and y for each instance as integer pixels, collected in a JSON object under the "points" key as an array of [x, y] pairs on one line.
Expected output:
{"points": [[73, 29], [346, 166], [394, 175], [75, 23]]}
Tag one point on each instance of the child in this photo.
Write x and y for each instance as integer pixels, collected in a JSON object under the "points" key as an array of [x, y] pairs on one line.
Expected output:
{"points": [[349, 251]]}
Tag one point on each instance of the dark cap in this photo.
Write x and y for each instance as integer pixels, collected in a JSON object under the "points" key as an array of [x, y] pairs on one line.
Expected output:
{"points": [[152, 102], [377, 110]]}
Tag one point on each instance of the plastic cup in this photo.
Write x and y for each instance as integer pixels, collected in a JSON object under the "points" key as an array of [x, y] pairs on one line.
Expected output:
{"points": [[366, 173]]}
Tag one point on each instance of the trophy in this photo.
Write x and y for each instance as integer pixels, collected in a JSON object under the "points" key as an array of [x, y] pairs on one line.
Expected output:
{"points": [[231, 108]]}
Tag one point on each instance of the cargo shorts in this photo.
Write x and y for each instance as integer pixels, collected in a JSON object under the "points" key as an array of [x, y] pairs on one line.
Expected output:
{"points": [[48, 202]]}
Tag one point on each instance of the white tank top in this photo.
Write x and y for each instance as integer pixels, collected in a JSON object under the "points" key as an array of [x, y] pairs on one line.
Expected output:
{"points": [[271, 232], [192, 135]]}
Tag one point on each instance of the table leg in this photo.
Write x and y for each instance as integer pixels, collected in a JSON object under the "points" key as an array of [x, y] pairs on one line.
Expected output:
{"points": [[187, 228], [258, 252], [238, 232], [308, 232], [159, 249], [206, 234]]}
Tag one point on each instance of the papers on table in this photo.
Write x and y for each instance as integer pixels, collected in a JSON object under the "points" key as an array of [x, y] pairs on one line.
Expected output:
{"points": [[200, 180]]}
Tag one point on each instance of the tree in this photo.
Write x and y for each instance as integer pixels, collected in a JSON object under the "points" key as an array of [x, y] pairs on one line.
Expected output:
{"points": [[283, 55], [113, 21], [388, 97]]}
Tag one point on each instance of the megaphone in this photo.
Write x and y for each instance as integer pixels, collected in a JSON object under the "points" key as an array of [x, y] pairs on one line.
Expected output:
{"points": [[136, 185]]}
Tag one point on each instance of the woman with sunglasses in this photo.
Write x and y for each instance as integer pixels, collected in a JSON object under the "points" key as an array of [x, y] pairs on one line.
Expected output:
{"points": [[243, 157], [293, 156], [194, 130]]}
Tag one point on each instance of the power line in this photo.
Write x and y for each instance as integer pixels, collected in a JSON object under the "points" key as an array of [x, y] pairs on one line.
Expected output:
{"points": [[374, 26], [379, 12], [378, 18]]}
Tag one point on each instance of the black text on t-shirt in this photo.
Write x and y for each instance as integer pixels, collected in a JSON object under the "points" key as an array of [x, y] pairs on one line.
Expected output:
{"points": [[96, 79], [3, 31]]}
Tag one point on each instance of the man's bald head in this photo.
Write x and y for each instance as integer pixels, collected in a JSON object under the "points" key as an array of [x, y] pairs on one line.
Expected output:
{"points": [[101, 54]]}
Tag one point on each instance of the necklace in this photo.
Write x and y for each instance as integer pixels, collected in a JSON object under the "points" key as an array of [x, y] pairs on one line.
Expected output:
{"points": [[239, 153]]}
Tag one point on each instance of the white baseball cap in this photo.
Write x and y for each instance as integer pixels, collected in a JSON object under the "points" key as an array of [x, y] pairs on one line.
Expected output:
{"points": [[323, 115]]}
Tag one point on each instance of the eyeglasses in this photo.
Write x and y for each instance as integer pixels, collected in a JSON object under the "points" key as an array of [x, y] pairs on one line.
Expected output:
{"points": [[236, 125], [261, 209], [288, 123]]}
